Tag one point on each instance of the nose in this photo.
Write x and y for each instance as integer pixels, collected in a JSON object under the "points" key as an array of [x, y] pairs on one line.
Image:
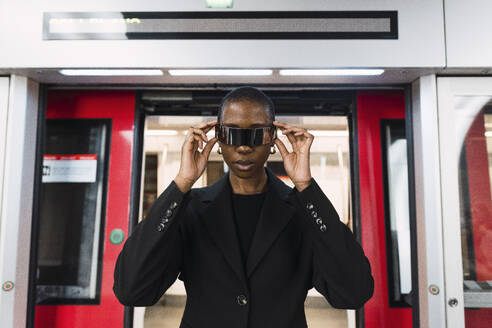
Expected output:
{"points": [[244, 149]]}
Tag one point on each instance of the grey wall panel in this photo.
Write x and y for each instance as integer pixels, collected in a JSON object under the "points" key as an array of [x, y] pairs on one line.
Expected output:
{"points": [[420, 43], [468, 33]]}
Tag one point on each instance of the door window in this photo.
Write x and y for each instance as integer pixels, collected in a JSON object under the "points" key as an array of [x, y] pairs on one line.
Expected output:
{"points": [[72, 211]]}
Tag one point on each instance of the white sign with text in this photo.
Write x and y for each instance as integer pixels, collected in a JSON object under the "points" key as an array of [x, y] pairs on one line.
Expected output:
{"points": [[69, 168]]}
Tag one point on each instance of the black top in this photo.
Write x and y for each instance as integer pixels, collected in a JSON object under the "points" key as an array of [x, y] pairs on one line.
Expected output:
{"points": [[246, 210]]}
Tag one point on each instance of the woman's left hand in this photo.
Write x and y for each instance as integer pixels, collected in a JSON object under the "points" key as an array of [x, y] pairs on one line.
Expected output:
{"points": [[296, 163]]}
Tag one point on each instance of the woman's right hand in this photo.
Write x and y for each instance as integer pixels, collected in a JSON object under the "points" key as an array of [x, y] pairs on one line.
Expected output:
{"points": [[193, 162]]}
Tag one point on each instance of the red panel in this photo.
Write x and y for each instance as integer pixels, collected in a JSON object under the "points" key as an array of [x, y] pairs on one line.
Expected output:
{"points": [[120, 107], [481, 211], [372, 106]]}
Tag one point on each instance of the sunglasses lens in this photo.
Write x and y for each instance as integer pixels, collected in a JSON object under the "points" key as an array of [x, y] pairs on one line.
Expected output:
{"points": [[249, 137]]}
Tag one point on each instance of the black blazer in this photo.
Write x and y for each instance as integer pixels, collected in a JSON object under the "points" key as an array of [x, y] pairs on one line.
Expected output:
{"points": [[299, 243]]}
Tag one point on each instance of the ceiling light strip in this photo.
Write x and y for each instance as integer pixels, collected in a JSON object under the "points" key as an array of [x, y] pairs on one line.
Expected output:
{"points": [[220, 72], [111, 72], [330, 72]]}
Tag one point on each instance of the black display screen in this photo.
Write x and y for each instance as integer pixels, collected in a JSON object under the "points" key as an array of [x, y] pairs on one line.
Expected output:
{"points": [[220, 25]]}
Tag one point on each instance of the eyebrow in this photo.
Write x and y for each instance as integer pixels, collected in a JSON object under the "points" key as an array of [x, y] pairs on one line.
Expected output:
{"points": [[252, 125]]}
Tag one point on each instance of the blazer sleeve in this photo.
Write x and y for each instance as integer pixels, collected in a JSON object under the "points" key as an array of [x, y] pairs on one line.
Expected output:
{"points": [[341, 271], [151, 257]]}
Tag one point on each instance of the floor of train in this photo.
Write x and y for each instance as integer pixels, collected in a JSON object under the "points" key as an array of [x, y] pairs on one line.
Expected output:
{"points": [[168, 311]]}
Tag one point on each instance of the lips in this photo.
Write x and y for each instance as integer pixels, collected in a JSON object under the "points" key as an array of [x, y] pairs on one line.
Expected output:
{"points": [[244, 165]]}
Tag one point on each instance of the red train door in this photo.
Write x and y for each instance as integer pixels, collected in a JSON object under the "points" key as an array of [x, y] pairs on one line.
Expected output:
{"points": [[383, 197], [84, 207]]}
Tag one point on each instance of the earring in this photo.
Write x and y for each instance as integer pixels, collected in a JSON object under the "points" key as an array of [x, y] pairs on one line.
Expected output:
{"points": [[219, 150], [273, 150]]}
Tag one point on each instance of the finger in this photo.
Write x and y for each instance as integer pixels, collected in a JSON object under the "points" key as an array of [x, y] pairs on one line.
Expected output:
{"points": [[279, 124], [190, 145], [293, 141], [310, 138], [205, 127], [285, 127], [295, 134], [307, 138], [189, 139], [286, 131], [206, 124], [281, 148], [208, 147], [201, 144], [189, 133], [201, 133], [198, 140], [294, 129], [209, 125], [305, 134], [301, 136]]}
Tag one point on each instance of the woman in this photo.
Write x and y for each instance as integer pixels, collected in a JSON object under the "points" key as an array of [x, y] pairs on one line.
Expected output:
{"points": [[248, 247]]}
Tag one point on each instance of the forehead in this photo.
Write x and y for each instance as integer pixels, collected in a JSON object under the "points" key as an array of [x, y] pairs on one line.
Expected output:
{"points": [[244, 113]]}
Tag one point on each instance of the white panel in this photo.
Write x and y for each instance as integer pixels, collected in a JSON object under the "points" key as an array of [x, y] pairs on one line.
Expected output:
{"points": [[468, 33], [450, 204], [428, 203], [17, 198], [420, 43], [4, 97], [451, 139]]}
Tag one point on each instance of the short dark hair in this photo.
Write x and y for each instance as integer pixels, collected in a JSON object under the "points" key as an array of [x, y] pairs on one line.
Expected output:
{"points": [[247, 93]]}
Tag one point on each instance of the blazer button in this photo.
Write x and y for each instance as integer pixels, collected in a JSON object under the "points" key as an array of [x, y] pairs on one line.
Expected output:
{"points": [[168, 213], [161, 227], [173, 205], [309, 206], [319, 221], [322, 227], [314, 214], [241, 300], [165, 220]]}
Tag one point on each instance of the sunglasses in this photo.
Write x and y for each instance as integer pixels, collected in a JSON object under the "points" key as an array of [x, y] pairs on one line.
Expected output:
{"points": [[250, 137]]}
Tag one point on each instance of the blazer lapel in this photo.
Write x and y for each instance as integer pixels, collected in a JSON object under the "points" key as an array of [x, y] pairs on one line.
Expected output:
{"points": [[274, 216], [219, 222], [218, 219]]}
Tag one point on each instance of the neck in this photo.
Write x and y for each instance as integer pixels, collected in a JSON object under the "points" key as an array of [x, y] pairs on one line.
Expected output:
{"points": [[251, 185]]}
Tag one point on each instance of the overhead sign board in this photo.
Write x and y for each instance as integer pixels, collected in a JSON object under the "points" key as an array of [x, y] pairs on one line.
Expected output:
{"points": [[221, 25]]}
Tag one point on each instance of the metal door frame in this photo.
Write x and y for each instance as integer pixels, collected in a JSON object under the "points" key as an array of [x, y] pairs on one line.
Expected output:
{"points": [[447, 89]]}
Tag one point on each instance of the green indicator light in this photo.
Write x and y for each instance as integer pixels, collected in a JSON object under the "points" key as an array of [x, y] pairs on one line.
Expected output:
{"points": [[8, 286], [434, 289], [116, 236], [219, 3]]}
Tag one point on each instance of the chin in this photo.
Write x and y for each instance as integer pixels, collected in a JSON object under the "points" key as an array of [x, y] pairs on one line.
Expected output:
{"points": [[244, 174]]}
